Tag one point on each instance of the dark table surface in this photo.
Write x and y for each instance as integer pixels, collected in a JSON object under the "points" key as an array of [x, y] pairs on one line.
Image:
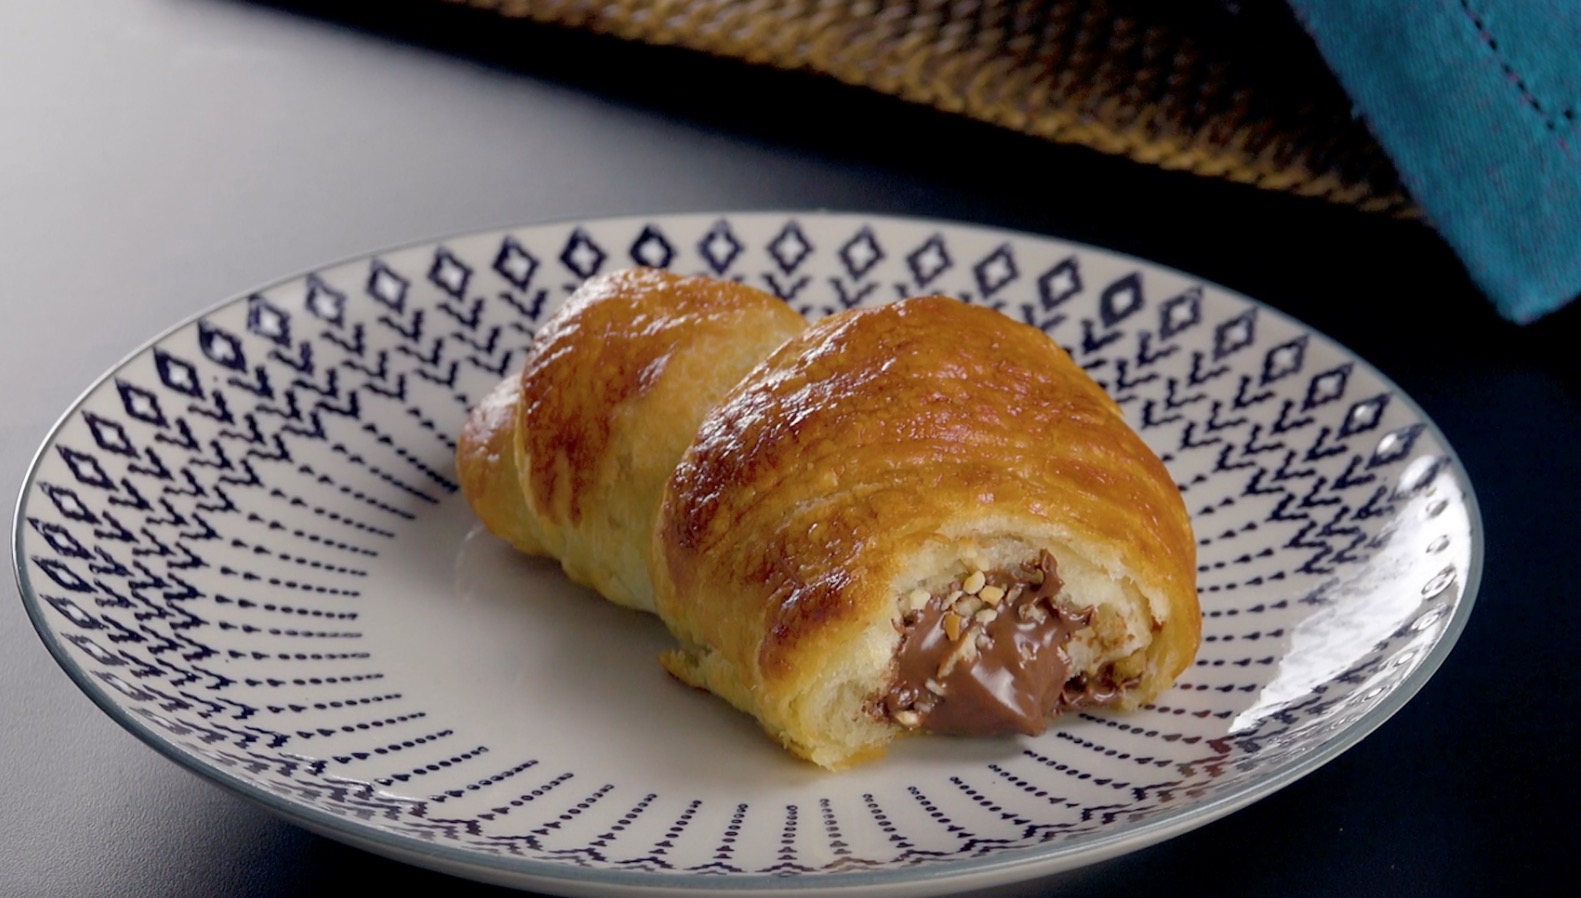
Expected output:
{"points": [[160, 155]]}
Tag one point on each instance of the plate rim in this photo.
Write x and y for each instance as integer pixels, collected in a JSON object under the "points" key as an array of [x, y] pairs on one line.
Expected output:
{"points": [[1011, 865]]}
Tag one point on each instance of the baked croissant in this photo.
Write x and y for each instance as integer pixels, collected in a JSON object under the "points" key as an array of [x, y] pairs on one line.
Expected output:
{"points": [[919, 517]]}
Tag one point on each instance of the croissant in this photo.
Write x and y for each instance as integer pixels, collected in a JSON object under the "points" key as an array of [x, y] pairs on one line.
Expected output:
{"points": [[918, 517]]}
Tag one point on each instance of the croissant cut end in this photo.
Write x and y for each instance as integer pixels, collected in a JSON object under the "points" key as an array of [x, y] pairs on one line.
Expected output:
{"points": [[1124, 619], [832, 714], [812, 722]]}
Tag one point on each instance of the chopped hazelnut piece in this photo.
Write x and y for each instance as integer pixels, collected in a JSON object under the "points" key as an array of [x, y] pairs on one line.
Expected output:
{"points": [[991, 594], [1032, 611], [917, 599], [952, 625], [974, 582], [967, 606], [908, 719]]}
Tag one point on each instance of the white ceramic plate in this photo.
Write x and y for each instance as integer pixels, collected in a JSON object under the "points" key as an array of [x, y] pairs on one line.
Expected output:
{"points": [[247, 545]]}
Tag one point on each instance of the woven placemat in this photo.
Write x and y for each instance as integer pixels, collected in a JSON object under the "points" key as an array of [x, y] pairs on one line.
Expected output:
{"points": [[1228, 90]]}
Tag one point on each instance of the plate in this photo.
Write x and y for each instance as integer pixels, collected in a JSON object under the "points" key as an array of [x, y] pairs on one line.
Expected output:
{"points": [[246, 544]]}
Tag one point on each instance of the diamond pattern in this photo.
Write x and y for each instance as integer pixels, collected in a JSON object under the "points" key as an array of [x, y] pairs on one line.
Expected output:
{"points": [[1121, 299], [1421, 472], [141, 404], [386, 286], [1326, 387], [1284, 360], [176, 374], [719, 247], [325, 302], [790, 247], [66, 502], [1235, 334], [1364, 415], [267, 320], [86, 468], [109, 435], [515, 264], [582, 256], [1181, 313], [861, 253], [1395, 445], [1059, 283], [64, 576], [929, 260], [60, 539], [651, 249], [221, 347], [995, 271], [449, 274]]}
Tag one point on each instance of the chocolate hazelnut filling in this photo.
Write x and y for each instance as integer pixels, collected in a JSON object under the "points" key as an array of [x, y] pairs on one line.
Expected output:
{"points": [[986, 656]]}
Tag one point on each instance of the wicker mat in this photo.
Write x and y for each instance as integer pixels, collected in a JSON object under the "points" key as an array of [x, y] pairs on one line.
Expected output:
{"points": [[1227, 90]]}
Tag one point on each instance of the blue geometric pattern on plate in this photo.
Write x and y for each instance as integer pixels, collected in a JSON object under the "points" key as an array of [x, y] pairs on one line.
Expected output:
{"points": [[247, 545]]}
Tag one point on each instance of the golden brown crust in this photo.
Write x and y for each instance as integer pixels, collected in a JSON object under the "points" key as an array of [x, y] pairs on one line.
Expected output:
{"points": [[611, 393], [615, 343], [872, 435]]}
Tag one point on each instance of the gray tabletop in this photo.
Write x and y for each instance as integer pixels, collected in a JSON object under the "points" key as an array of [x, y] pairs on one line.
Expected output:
{"points": [[157, 156]]}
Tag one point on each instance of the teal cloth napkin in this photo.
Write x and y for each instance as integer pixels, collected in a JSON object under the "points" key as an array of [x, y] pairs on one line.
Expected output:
{"points": [[1476, 102]]}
